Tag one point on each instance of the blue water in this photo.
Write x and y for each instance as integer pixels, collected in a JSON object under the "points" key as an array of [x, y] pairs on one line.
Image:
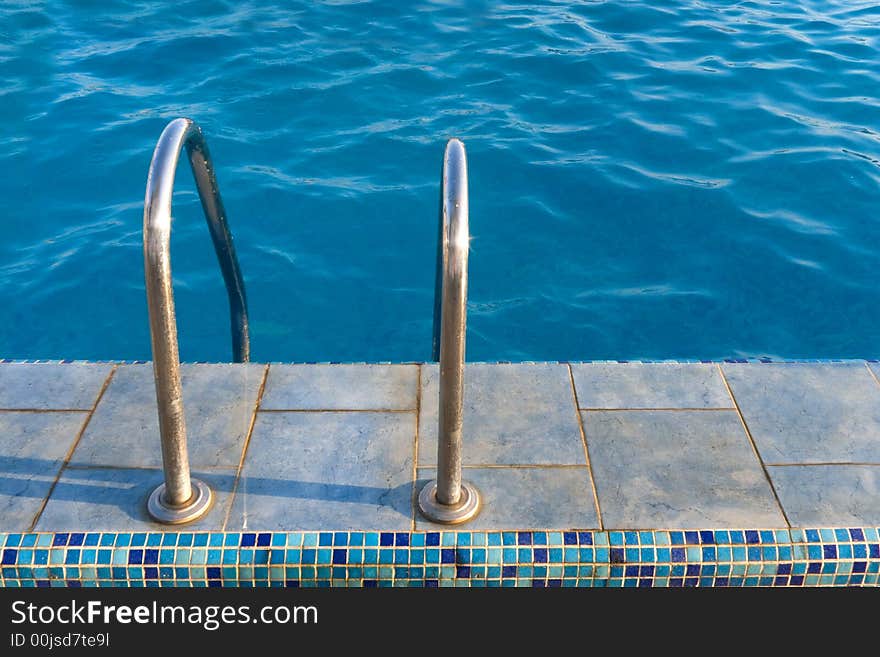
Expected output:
{"points": [[688, 180]]}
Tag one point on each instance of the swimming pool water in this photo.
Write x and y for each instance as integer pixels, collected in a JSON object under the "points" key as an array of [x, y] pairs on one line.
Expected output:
{"points": [[690, 180]]}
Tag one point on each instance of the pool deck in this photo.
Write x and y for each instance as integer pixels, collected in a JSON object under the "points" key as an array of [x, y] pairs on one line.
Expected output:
{"points": [[733, 473]]}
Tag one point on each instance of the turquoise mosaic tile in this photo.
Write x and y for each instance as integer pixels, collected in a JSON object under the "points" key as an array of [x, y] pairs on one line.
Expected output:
{"points": [[534, 558]]}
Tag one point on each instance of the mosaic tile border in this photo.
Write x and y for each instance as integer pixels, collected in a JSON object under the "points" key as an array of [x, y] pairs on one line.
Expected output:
{"points": [[574, 558], [672, 361], [50, 361]]}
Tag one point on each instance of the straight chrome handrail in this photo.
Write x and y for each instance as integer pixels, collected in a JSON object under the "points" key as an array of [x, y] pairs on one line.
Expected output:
{"points": [[181, 498], [448, 499]]}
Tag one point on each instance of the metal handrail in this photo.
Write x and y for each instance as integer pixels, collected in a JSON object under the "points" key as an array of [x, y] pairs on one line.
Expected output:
{"points": [[180, 498], [448, 499]]}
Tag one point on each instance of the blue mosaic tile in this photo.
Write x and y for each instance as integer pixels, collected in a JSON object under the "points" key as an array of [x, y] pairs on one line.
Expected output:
{"points": [[810, 557]]}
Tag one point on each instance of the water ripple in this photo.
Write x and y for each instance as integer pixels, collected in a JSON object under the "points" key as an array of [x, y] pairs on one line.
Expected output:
{"points": [[697, 179]]}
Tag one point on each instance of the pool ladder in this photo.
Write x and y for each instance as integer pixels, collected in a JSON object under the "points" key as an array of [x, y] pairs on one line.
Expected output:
{"points": [[181, 498]]}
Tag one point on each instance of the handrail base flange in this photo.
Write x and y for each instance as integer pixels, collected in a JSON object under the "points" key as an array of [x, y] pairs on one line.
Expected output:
{"points": [[449, 514], [198, 505]]}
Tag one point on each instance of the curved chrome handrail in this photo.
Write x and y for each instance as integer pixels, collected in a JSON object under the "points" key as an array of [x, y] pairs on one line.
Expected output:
{"points": [[448, 499], [176, 501]]}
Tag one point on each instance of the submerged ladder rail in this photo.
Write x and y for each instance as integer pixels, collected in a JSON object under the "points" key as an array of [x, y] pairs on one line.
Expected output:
{"points": [[181, 498], [448, 499]]}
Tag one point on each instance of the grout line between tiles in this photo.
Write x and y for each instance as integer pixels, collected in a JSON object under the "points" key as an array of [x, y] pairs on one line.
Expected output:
{"points": [[873, 376], [244, 449], [580, 422], [754, 446], [73, 447], [821, 463], [44, 410], [338, 410], [415, 468], [511, 466], [667, 409], [145, 468]]}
